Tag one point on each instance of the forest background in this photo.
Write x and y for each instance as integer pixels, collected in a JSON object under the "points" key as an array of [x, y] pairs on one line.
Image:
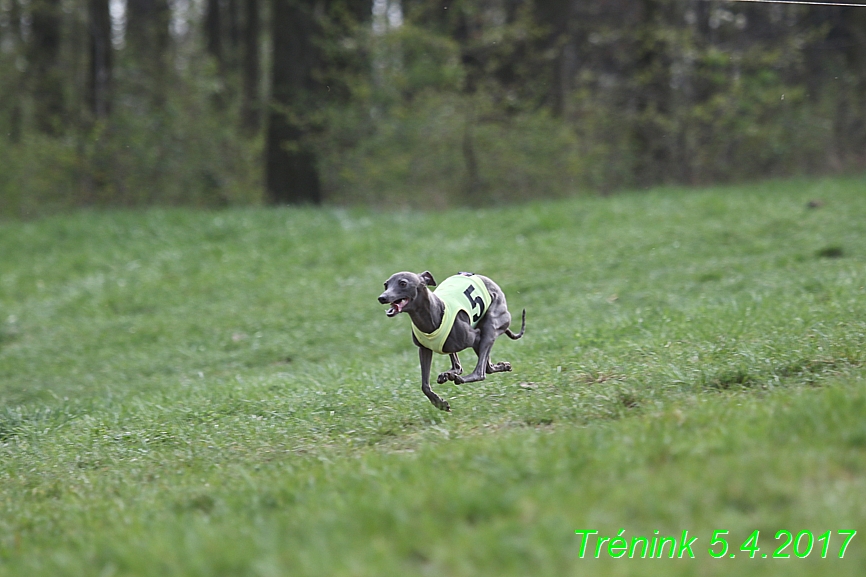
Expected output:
{"points": [[404, 103]]}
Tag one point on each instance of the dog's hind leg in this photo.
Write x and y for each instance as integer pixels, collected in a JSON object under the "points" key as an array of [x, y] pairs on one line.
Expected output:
{"points": [[502, 367], [482, 349], [456, 369]]}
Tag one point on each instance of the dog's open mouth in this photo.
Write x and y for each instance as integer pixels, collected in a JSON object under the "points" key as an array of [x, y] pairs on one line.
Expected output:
{"points": [[396, 307]]}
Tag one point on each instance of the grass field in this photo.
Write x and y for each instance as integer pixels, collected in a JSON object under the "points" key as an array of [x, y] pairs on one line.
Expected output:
{"points": [[219, 393]]}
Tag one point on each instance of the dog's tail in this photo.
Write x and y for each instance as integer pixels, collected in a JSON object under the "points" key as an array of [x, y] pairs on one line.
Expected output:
{"points": [[522, 328]]}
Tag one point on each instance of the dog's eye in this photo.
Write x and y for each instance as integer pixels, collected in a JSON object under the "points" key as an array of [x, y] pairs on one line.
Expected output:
{"points": [[404, 284]]}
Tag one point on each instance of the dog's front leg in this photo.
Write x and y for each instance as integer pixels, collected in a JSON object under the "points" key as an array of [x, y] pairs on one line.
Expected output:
{"points": [[425, 355], [456, 369]]}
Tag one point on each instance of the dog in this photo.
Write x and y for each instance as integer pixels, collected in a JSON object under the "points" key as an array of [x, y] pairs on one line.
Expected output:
{"points": [[466, 310]]}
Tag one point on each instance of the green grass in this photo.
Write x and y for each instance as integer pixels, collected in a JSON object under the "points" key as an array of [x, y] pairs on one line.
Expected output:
{"points": [[219, 393]]}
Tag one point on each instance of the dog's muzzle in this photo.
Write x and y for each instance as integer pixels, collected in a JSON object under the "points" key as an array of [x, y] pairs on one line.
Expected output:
{"points": [[396, 306]]}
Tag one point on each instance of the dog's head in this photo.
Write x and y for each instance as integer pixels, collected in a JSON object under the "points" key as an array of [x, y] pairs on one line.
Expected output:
{"points": [[402, 289]]}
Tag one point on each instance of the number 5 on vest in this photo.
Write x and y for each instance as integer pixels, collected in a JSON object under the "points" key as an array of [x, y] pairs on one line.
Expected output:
{"points": [[477, 301]]}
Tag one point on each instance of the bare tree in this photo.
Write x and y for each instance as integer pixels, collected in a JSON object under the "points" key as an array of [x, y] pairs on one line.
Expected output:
{"points": [[47, 80], [148, 39], [213, 31], [99, 77], [290, 166], [250, 84], [11, 91]]}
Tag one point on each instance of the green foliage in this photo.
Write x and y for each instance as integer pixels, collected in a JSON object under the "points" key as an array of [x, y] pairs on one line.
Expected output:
{"points": [[183, 152], [38, 174], [209, 393], [481, 102], [459, 111], [173, 155], [417, 156], [423, 61]]}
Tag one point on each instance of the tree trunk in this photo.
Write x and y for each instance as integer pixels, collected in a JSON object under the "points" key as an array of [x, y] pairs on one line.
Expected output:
{"points": [[250, 98], [557, 16], [148, 40], [291, 173], [213, 31], [11, 91], [47, 80], [99, 77], [233, 31], [652, 96]]}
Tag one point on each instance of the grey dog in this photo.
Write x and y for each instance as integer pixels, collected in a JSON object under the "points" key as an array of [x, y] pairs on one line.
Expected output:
{"points": [[407, 292]]}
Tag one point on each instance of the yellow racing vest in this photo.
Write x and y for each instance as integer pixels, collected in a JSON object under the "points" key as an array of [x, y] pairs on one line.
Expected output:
{"points": [[458, 293]]}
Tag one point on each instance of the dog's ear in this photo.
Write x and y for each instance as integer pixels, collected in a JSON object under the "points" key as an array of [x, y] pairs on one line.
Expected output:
{"points": [[427, 278]]}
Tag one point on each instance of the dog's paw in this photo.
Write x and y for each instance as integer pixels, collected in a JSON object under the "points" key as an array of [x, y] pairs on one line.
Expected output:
{"points": [[458, 380], [442, 405], [447, 376], [502, 367]]}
